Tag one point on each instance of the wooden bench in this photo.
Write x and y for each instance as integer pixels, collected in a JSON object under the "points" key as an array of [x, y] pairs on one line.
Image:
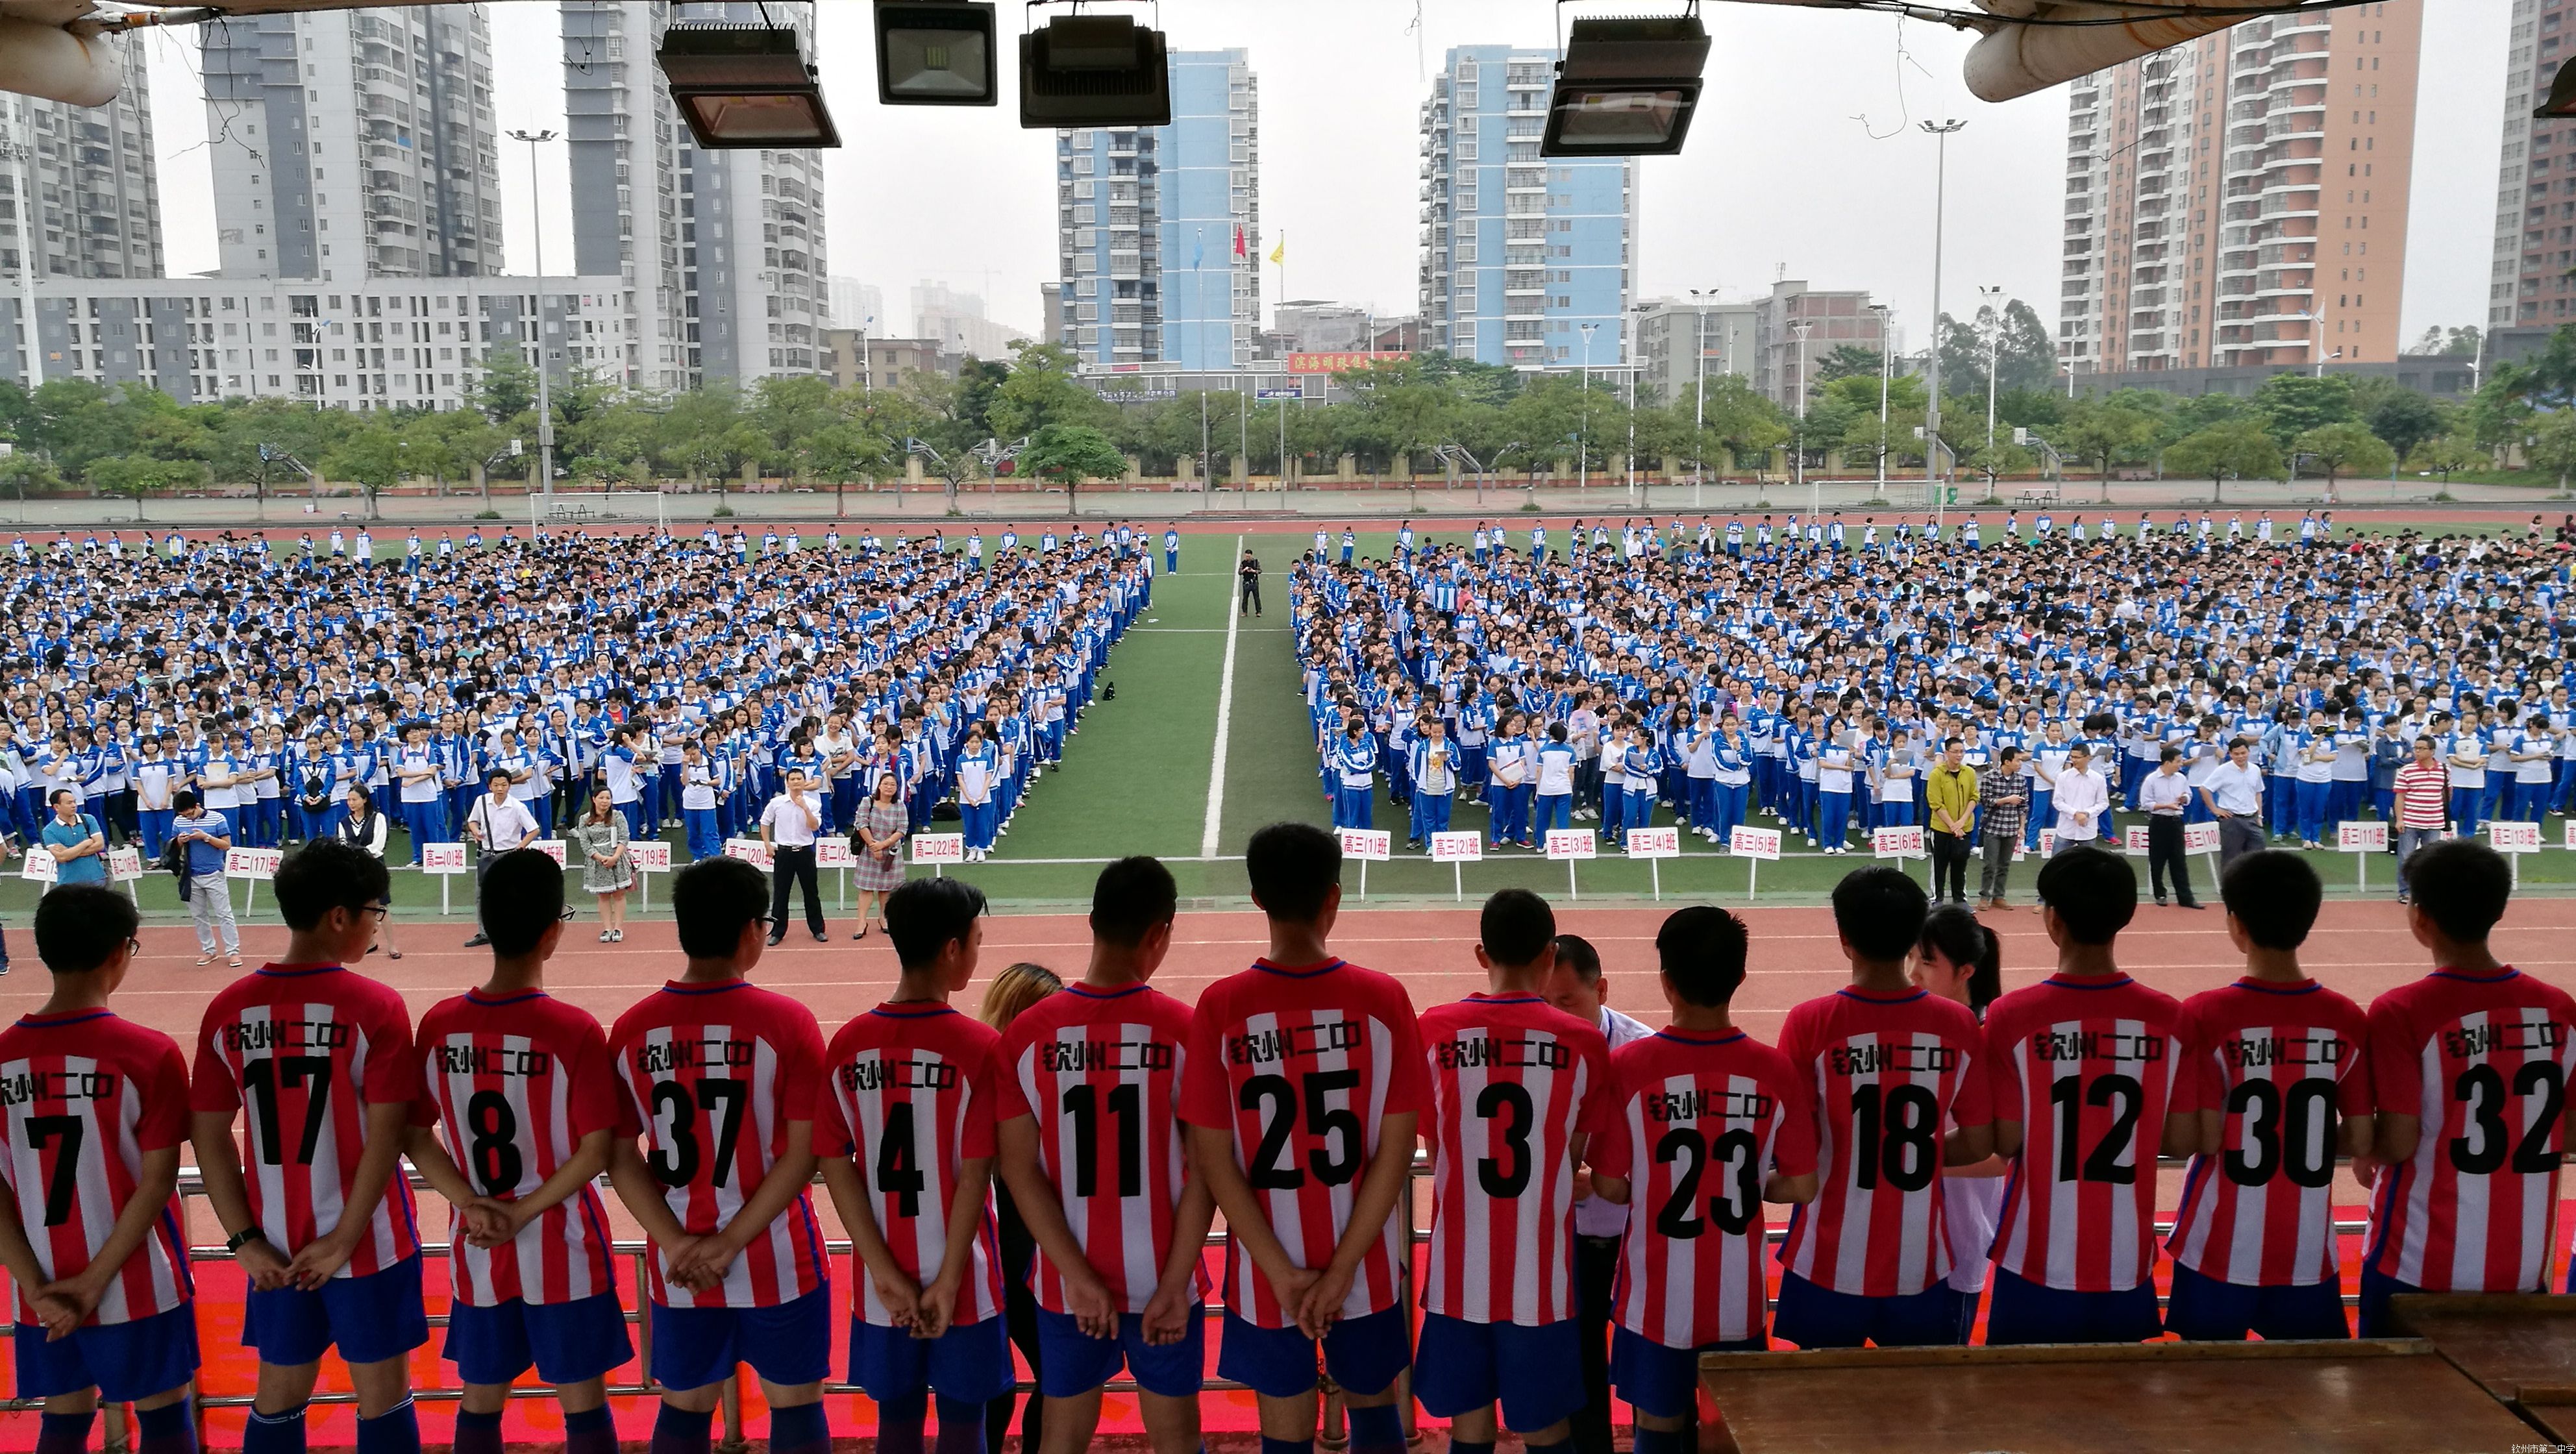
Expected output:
{"points": [[2396, 1396], [2520, 1347]]}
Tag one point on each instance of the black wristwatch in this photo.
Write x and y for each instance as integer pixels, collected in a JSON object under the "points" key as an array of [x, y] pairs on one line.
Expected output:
{"points": [[243, 1238]]}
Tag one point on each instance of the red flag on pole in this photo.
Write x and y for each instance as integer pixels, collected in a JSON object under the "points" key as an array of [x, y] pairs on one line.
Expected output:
{"points": [[1239, 249]]}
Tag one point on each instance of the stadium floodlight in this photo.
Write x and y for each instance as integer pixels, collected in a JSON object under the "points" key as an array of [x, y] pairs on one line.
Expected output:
{"points": [[1094, 70], [936, 54], [1627, 87], [2562, 96], [742, 86]]}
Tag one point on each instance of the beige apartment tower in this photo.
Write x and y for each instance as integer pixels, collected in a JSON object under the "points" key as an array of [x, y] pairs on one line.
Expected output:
{"points": [[2231, 201]]}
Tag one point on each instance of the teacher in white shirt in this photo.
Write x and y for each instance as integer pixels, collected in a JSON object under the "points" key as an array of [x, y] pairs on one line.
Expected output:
{"points": [[2082, 799], [787, 827], [498, 823]]}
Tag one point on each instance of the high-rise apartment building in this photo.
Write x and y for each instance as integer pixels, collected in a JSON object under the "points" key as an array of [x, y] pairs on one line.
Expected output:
{"points": [[2533, 283], [857, 305], [722, 251], [1526, 260], [2229, 199], [354, 144], [90, 171], [1159, 228]]}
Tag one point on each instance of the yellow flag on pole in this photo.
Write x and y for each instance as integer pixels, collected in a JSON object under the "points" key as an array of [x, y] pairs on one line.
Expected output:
{"points": [[1279, 254]]}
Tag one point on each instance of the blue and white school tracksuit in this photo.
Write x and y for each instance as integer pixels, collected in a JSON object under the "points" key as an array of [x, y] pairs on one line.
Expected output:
{"points": [[1171, 552], [1510, 801], [423, 817], [1552, 773], [1433, 783], [1354, 765], [978, 775], [2316, 783], [705, 834], [1643, 762], [1728, 789]]}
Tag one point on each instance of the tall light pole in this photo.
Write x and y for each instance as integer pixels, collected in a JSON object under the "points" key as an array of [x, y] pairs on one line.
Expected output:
{"points": [[1583, 440], [1994, 349], [545, 397], [1886, 368], [1699, 389], [1816, 502], [1941, 131]]}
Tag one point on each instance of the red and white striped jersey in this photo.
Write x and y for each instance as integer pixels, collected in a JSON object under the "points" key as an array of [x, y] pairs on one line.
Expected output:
{"points": [[2282, 1065], [1098, 1072], [1513, 1081], [513, 1083], [909, 1092], [1303, 1065], [1886, 1074], [1700, 1120], [710, 1075], [2087, 1065], [2483, 1062], [82, 1097], [308, 1048]]}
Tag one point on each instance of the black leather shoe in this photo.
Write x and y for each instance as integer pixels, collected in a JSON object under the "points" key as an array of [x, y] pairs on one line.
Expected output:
{"points": [[776, 939], [477, 942]]}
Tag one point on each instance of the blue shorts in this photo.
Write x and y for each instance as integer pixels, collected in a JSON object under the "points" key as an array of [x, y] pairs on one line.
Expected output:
{"points": [[1664, 1381], [369, 1319], [2023, 1311], [2204, 1309], [788, 1344], [971, 1361], [123, 1361], [1461, 1366], [564, 1342], [1818, 1317], [2377, 1288], [1363, 1354], [1072, 1362]]}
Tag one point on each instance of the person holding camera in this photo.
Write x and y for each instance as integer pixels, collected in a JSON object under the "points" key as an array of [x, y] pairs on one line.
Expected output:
{"points": [[497, 823]]}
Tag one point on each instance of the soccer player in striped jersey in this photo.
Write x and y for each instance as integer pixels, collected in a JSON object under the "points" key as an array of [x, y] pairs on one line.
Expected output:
{"points": [[321, 1060], [2277, 1080], [1517, 1089], [906, 1115], [1302, 1086], [1709, 1124], [719, 1078], [95, 1109], [513, 1130], [2469, 1067], [2085, 1065], [1096, 1161], [1886, 1065]]}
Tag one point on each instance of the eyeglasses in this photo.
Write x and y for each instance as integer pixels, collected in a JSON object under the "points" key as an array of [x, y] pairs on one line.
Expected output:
{"points": [[381, 911]]}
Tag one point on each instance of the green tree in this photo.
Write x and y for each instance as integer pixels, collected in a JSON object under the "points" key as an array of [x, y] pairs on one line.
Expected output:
{"points": [[2553, 445], [508, 387], [840, 452], [1040, 389], [2104, 433], [372, 459], [2346, 447], [1847, 361], [134, 476], [2231, 449], [2446, 455], [1072, 453], [2297, 403], [704, 432]]}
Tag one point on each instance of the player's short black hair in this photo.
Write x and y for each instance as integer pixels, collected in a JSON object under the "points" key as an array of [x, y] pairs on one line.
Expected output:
{"points": [[711, 900], [1880, 911], [2461, 885], [184, 800], [923, 915], [1575, 954], [1294, 867], [522, 893], [79, 926], [327, 874], [1129, 898], [2094, 891], [2275, 895], [1701, 950], [1516, 927]]}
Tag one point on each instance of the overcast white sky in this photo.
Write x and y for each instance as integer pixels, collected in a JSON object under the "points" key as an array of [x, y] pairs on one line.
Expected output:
{"points": [[1803, 162]]}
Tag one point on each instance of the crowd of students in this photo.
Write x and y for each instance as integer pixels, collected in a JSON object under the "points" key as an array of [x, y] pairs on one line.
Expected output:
{"points": [[686, 675], [1810, 672], [1952, 1153]]}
